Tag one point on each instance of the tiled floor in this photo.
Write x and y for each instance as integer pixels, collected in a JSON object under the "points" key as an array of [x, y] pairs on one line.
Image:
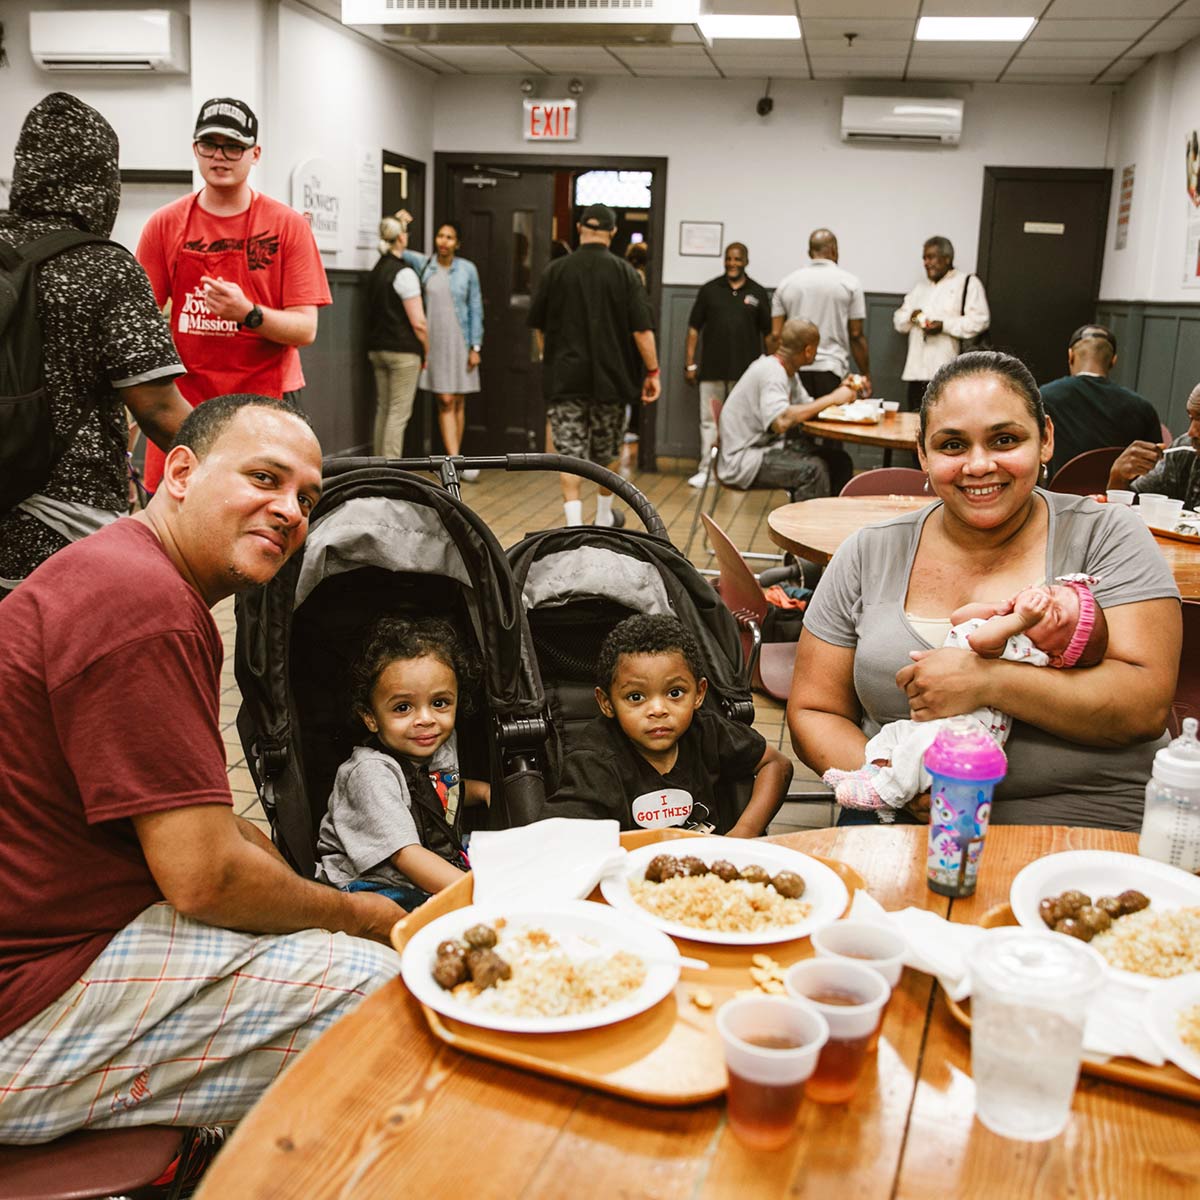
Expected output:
{"points": [[515, 504]]}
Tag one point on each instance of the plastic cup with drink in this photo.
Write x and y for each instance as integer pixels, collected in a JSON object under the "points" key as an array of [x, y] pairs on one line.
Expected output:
{"points": [[966, 763], [850, 996], [1030, 993], [771, 1047], [874, 946]]}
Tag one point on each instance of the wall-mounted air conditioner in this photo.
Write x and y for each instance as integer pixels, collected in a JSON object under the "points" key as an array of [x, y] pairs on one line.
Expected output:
{"points": [[901, 119], [96, 40]]}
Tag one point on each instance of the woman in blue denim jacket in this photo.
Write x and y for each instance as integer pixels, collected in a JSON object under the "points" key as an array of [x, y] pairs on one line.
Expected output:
{"points": [[454, 310]]}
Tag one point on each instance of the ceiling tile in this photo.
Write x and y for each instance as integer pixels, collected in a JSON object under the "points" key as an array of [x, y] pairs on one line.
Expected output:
{"points": [[768, 8], [481, 59], [860, 47], [1078, 49], [764, 50], [1075, 68], [869, 29], [1063, 31], [981, 8], [650, 62], [763, 62], [1159, 45], [572, 58], [958, 73], [743, 70], [846, 9], [873, 73], [951, 52], [1120, 71], [1126, 9], [1190, 9]]}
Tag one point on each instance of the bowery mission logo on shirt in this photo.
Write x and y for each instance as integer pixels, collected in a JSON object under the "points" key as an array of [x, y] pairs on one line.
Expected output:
{"points": [[195, 318]]}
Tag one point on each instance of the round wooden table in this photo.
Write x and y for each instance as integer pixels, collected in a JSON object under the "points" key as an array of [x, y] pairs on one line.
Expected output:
{"points": [[897, 431], [814, 529], [379, 1107]]}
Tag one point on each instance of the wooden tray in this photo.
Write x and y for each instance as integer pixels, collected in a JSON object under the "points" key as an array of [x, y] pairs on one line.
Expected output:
{"points": [[1168, 1079], [1190, 539], [669, 1055]]}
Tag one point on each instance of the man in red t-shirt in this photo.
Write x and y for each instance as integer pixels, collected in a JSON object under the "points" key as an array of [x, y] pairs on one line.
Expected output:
{"points": [[241, 272], [159, 961]]}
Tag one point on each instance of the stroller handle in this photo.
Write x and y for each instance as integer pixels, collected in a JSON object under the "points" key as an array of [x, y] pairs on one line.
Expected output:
{"points": [[449, 468]]}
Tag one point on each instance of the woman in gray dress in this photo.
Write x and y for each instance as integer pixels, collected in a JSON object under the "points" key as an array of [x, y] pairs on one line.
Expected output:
{"points": [[1082, 741], [454, 311]]}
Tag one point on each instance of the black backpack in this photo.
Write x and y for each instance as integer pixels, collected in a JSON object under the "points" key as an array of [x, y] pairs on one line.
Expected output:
{"points": [[29, 447]]}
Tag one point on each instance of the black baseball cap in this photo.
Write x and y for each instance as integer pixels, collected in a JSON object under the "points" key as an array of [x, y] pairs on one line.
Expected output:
{"points": [[232, 118], [598, 216]]}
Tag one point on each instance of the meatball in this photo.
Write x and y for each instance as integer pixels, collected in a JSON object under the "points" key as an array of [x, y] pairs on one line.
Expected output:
{"points": [[1093, 918], [1133, 901], [1050, 910], [671, 869], [1110, 905], [788, 884], [755, 874], [480, 937], [724, 869], [691, 865], [1073, 928], [1074, 900], [487, 968], [449, 970], [656, 866]]}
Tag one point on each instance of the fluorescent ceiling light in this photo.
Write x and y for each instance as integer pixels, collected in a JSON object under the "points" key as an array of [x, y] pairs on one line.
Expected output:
{"points": [[736, 25], [974, 29]]}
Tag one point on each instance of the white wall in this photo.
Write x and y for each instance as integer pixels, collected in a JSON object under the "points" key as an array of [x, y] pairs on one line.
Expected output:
{"points": [[773, 180], [334, 92], [1155, 111], [147, 111]]}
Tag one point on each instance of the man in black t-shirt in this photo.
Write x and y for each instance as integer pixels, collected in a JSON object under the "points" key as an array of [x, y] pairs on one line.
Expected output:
{"points": [[595, 330], [735, 314], [1088, 409]]}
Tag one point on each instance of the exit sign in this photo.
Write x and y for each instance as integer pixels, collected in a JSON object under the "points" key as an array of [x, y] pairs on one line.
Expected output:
{"points": [[551, 120]]}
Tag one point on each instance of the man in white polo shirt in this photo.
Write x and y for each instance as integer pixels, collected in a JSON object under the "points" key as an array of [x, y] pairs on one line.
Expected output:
{"points": [[832, 299]]}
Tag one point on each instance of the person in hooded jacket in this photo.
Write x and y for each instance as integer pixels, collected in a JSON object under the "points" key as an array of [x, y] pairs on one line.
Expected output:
{"points": [[106, 347]]}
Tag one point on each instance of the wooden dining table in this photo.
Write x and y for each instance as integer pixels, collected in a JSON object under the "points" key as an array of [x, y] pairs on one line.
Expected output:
{"points": [[897, 431], [379, 1107], [814, 529]]}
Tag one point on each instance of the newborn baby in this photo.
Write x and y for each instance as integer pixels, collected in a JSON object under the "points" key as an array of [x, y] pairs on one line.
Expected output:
{"points": [[1053, 625]]}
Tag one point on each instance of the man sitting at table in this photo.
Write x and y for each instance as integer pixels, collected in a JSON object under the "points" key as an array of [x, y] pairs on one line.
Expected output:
{"points": [[159, 962], [761, 442], [1089, 410], [1145, 467]]}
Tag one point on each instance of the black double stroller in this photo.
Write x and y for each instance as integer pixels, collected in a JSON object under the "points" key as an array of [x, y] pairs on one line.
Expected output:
{"points": [[384, 540]]}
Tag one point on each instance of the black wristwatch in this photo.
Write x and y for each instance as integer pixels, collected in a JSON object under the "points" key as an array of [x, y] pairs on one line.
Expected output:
{"points": [[253, 319]]}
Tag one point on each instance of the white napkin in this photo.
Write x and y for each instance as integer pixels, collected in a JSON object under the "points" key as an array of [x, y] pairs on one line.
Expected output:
{"points": [[540, 865], [1116, 1021]]}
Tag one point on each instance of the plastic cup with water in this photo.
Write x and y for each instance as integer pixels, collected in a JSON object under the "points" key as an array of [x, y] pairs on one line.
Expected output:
{"points": [[1030, 993]]}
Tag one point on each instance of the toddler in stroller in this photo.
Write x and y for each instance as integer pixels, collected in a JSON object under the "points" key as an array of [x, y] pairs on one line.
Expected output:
{"points": [[383, 543], [655, 759], [392, 818]]}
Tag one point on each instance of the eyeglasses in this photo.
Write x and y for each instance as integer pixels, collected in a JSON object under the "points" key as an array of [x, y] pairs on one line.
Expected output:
{"points": [[229, 151]]}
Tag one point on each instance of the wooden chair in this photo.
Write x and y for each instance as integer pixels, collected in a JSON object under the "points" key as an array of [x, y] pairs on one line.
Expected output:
{"points": [[888, 481], [770, 662], [713, 479], [89, 1164], [1187, 689], [1086, 474]]}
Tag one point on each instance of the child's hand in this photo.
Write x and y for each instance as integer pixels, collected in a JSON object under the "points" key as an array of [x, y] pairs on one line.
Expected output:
{"points": [[1032, 605]]}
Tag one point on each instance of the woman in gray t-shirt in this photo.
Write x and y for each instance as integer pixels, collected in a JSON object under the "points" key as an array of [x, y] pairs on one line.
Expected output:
{"points": [[1082, 741]]}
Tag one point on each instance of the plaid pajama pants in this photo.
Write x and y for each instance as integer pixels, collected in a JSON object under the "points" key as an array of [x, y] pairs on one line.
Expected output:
{"points": [[179, 1023]]}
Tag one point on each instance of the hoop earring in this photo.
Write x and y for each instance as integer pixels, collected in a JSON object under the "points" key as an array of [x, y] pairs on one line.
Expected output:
{"points": [[1044, 473]]}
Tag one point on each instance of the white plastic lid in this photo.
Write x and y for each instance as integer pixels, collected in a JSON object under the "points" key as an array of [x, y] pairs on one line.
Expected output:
{"points": [[1178, 765]]}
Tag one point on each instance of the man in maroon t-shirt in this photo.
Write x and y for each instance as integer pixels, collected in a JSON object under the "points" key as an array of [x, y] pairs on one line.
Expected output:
{"points": [[128, 992]]}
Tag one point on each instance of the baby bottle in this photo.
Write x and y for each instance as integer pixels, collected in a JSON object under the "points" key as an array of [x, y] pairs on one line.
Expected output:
{"points": [[1171, 821], [966, 764]]}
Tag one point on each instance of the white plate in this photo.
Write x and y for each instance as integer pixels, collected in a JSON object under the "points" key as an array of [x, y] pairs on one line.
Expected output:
{"points": [[1101, 873], [1165, 1005], [823, 890], [571, 920]]}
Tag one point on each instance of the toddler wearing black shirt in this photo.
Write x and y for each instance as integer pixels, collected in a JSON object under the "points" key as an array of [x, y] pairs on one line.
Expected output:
{"points": [[656, 758]]}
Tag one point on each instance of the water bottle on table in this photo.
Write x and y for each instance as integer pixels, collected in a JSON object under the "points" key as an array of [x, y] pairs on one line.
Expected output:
{"points": [[966, 764], [1171, 820]]}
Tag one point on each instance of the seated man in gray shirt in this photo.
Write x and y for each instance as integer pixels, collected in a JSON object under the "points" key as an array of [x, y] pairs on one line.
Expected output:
{"points": [[761, 442], [1147, 467]]}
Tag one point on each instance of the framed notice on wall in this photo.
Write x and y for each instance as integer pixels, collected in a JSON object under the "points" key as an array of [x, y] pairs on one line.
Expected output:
{"points": [[700, 239]]}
